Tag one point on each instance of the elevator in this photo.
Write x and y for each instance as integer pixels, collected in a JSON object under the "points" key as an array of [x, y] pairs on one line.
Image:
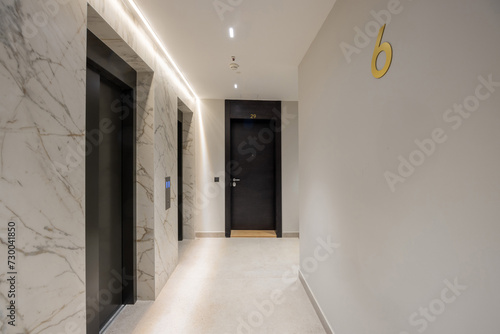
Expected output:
{"points": [[110, 185], [180, 167]]}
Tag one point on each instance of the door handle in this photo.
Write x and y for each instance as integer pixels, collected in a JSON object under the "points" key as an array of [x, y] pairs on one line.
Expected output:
{"points": [[234, 182]]}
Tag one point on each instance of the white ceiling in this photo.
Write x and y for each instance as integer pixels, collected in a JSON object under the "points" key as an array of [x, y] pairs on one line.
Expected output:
{"points": [[271, 38]]}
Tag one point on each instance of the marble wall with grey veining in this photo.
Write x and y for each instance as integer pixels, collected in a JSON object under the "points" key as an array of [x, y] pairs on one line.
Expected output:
{"points": [[42, 174], [166, 230], [145, 187], [42, 156]]}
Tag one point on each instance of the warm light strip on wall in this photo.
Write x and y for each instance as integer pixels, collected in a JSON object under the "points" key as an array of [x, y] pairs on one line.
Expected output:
{"points": [[157, 39]]}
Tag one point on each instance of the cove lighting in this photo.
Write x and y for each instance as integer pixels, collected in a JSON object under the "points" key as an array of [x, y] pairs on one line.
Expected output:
{"points": [[157, 39]]}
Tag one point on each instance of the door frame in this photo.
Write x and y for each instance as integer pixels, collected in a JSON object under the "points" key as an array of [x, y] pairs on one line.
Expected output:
{"points": [[260, 110]]}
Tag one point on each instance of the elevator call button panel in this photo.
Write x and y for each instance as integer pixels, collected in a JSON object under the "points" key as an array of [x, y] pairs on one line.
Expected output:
{"points": [[167, 193]]}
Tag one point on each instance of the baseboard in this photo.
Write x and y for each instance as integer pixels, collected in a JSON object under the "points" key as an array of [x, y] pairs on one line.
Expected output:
{"points": [[210, 235], [223, 235], [315, 304]]}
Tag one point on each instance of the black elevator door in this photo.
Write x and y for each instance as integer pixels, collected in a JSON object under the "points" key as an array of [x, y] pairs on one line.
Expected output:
{"points": [[110, 171], [110, 200], [253, 189], [180, 179]]}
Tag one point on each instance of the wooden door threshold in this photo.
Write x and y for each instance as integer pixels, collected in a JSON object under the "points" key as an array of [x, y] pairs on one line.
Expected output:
{"points": [[252, 234]]}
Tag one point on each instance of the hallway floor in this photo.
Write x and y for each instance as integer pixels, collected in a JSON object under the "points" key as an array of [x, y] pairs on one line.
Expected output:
{"points": [[227, 286]]}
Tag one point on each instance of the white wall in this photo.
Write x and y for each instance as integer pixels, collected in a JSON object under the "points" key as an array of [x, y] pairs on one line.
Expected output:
{"points": [[210, 163], [398, 248], [290, 166], [209, 216]]}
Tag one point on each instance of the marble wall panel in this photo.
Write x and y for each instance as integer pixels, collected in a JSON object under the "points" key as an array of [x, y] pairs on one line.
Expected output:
{"points": [[42, 169], [165, 151], [42, 156]]}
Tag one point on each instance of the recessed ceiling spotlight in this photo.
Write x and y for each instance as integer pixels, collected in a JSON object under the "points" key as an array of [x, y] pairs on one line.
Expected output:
{"points": [[235, 86], [231, 32]]}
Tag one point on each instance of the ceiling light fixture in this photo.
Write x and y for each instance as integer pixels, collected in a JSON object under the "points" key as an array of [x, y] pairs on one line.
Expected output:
{"points": [[157, 39], [231, 32], [235, 86]]}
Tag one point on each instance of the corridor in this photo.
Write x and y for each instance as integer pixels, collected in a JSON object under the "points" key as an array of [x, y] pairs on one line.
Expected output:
{"points": [[139, 139], [227, 286]]}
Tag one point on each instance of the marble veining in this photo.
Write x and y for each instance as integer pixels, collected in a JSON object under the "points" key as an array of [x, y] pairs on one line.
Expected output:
{"points": [[166, 231], [42, 155], [145, 187], [42, 124]]}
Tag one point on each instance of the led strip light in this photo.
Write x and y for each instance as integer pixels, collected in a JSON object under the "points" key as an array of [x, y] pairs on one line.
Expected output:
{"points": [[158, 41]]}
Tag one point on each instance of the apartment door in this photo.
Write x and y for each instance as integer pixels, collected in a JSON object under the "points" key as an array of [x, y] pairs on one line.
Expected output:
{"points": [[110, 184], [253, 160]]}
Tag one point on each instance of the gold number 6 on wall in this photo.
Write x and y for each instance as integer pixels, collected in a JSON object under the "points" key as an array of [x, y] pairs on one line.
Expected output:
{"points": [[379, 48]]}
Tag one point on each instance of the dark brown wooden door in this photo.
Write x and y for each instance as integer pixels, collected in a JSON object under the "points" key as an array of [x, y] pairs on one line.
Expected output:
{"points": [[253, 198], [253, 184]]}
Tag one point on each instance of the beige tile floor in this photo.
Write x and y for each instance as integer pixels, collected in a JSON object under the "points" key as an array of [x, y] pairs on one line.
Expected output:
{"points": [[227, 286]]}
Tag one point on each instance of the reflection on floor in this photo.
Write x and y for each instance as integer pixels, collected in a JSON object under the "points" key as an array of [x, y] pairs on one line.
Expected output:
{"points": [[252, 234], [228, 286]]}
